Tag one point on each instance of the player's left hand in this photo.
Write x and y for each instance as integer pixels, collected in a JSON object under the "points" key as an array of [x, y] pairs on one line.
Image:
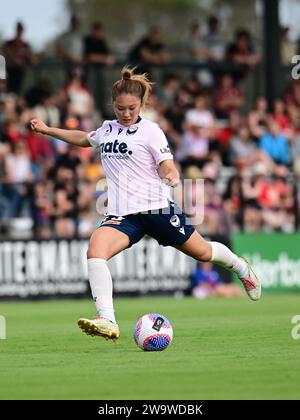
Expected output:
{"points": [[171, 181]]}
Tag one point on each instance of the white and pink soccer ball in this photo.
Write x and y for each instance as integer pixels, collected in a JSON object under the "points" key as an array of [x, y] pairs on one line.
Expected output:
{"points": [[153, 332]]}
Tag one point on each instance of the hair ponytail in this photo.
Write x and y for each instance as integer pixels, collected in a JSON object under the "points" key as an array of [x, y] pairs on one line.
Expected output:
{"points": [[133, 84]]}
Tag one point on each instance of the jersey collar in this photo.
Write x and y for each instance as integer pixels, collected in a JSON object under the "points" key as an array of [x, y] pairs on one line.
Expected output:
{"points": [[139, 119]]}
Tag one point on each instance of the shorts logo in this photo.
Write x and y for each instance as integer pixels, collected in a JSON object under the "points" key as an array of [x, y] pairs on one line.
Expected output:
{"points": [[112, 221], [175, 221], [181, 230]]}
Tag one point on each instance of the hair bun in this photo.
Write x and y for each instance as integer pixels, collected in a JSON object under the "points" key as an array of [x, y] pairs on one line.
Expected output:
{"points": [[126, 74]]}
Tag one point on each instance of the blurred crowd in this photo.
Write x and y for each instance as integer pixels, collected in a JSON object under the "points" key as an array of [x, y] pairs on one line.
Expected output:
{"points": [[250, 161]]}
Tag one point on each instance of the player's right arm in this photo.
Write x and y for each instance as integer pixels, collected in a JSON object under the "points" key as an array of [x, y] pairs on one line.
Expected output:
{"points": [[74, 137]]}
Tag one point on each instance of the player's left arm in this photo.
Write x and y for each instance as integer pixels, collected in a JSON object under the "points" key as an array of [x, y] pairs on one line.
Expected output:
{"points": [[168, 172]]}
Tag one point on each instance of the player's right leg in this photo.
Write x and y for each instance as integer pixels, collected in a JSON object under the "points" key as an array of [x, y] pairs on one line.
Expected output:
{"points": [[202, 250], [105, 242]]}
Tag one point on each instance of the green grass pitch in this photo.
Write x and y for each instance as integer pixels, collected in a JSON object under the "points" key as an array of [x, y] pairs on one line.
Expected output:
{"points": [[222, 349]]}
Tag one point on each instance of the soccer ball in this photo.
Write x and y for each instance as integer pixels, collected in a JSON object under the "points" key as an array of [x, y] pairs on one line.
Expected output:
{"points": [[153, 332]]}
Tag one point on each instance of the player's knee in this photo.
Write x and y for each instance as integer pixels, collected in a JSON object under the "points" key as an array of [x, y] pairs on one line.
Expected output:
{"points": [[205, 254], [94, 252]]}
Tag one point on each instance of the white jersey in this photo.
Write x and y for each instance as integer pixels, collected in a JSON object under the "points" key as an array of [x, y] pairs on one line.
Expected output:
{"points": [[130, 157]]}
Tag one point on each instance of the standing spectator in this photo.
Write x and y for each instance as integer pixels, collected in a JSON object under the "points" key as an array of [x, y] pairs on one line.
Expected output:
{"points": [[18, 54], [69, 46], [97, 55], [287, 48], [241, 52], [195, 43], [214, 43], [148, 51], [96, 49]]}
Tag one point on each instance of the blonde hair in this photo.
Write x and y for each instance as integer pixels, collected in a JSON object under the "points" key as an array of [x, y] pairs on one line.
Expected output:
{"points": [[133, 84]]}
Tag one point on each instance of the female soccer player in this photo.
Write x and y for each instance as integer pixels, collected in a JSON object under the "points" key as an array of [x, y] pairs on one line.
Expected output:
{"points": [[140, 170]]}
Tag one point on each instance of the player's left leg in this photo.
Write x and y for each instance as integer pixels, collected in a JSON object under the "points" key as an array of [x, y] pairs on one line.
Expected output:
{"points": [[202, 250]]}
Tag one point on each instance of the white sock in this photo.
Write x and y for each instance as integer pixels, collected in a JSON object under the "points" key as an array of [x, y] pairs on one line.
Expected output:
{"points": [[101, 287], [222, 255]]}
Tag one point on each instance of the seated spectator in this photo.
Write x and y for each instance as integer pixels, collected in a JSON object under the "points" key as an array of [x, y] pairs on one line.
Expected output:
{"points": [[148, 51], [280, 115], [18, 54], [169, 90], [258, 117], [194, 147], [215, 219], [151, 111], [228, 97], [9, 196], [206, 282], [19, 175], [173, 137], [48, 111], [61, 214], [252, 217], [233, 202], [80, 102], [41, 205], [19, 164], [245, 153], [201, 116], [275, 144]]}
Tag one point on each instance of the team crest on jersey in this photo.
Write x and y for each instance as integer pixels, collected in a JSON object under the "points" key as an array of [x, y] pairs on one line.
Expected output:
{"points": [[175, 221], [108, 130], [120, 130], [131, 131]]}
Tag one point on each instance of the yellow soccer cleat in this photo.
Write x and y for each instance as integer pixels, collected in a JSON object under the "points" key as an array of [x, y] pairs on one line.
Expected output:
{"points": [[101, 327], [251, 283]]}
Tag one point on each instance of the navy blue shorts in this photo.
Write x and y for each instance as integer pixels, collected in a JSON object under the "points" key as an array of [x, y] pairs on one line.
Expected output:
{"points": [[168, 225]]}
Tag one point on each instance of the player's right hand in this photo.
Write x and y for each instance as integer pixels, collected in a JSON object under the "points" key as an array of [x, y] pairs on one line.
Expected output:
{"points": [[39, 126]]}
